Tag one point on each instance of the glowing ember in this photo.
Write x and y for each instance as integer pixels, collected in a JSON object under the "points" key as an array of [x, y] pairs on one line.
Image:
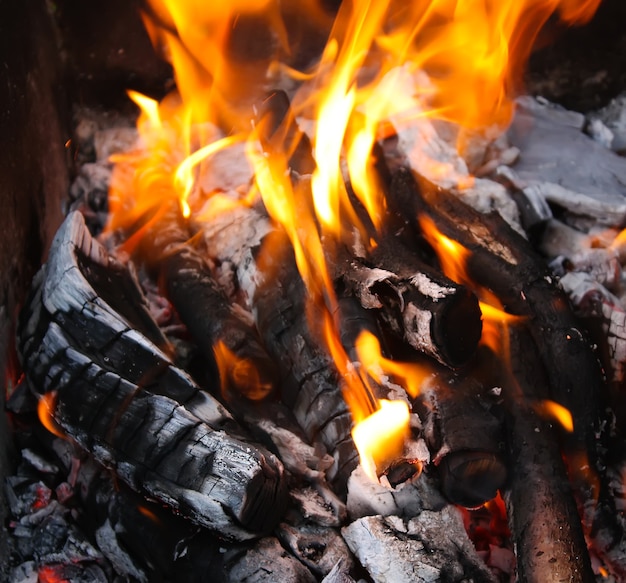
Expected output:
{"points": [[366, 82]]}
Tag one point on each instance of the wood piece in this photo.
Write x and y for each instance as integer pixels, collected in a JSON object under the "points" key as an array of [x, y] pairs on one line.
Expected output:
{"points": [[550, 544], [266, 273], [160, 447], [503, 262], [465, 435], [426, 309], [431, 547], [311, 385], [212, 319]]}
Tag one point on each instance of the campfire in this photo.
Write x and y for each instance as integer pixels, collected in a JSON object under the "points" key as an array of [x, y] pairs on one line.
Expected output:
{"points": [[313, 321]]}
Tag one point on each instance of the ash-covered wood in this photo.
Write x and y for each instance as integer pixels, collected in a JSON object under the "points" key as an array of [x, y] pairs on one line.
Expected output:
{"points": [[428, 548], [131, 408], [418, 304], [202, 305]]}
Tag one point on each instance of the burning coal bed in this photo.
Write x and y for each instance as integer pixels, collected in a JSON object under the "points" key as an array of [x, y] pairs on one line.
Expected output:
{"points": [[257, 463], [225, 397]]}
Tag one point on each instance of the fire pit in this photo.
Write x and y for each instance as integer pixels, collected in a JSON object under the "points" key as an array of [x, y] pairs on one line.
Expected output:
{"points": [[267, 307]]}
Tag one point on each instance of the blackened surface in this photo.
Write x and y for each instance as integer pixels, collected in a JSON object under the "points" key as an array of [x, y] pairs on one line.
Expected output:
{"points": [[33, 165]]}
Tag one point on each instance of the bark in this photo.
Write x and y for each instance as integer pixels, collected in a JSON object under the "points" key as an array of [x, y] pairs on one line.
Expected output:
{"points": [[119, 404], [546, 526]]}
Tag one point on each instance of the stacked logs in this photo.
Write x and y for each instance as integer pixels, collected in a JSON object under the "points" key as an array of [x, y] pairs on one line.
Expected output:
{"points": [[86, 337]]}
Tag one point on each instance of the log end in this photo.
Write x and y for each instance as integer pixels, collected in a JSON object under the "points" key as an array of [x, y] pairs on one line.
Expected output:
{"points": [[471, 478]]}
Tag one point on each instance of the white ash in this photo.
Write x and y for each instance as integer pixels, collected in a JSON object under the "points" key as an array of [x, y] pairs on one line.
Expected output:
{"points": [[571, 170], [299, 457], [613, 118], [366, 497], [429, 548], [122, 562]]}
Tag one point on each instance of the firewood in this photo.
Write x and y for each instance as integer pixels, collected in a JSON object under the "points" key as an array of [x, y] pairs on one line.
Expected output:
{"points": [[206, 311], [119, 408], [503, 262], [311, 385], [426, 309], [465, 435], [550, 544]]}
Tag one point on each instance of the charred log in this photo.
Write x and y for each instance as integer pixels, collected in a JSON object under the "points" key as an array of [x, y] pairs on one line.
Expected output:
{"points": [[311, 386], [466, 437], [127, 414], [503, 262], [550, 545], [213, 320], [427, 310]]}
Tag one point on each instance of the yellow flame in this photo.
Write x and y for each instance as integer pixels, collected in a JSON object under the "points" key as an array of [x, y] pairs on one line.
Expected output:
{"points": [[380, 437], [408, 375], [366, 85]]}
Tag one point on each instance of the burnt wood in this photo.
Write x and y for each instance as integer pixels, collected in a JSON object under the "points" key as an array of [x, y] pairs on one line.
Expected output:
{"points": [[503, 262], [415, 302], [202, 305], [465, 433], [545, 523], [132, 409]]}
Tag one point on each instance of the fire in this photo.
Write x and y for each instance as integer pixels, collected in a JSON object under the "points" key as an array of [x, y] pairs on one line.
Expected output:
{"points": [[557, 412], [380, 437], [45, 411], [386, 64]]}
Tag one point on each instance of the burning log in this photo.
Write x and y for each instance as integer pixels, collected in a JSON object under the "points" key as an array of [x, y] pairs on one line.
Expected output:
{"points": [[503, 262], [214, 322], [538, 468], [426, 309], [466, 437], [311, 386], [129, 406]]}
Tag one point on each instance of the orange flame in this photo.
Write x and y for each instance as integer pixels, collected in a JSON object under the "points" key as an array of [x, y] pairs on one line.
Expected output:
{"points": [[557, 412], [240, 372], [368, 80], [45, 411]]}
